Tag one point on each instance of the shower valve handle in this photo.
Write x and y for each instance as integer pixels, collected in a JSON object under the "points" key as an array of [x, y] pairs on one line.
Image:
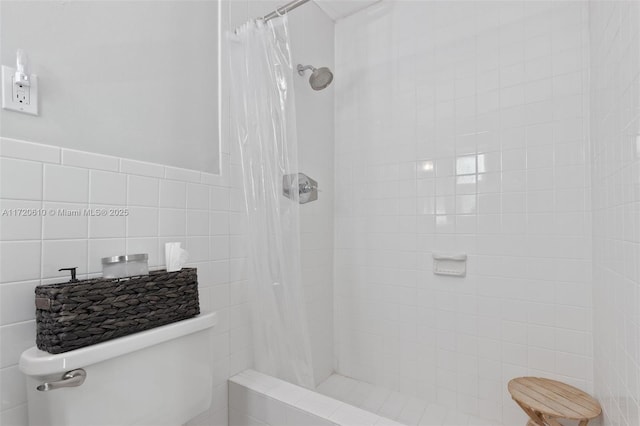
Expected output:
{"points": [[306, 187], [299, 187]]}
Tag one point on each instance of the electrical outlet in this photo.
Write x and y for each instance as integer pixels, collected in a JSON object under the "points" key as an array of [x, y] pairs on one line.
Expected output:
{"points": [[21, 93], [18, 97]]}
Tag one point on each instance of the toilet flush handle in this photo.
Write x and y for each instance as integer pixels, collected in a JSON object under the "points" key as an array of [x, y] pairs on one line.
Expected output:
{"points": [[70, 379]]}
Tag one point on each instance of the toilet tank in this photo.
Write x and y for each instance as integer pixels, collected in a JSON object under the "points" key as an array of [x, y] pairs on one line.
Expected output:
{"points": [[157, 377]]}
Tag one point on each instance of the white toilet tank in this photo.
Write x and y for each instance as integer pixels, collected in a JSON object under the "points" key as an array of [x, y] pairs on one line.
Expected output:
{"points": [[157, 377]]}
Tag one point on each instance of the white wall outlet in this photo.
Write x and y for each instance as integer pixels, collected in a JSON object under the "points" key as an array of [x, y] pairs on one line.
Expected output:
{"points": [[18, 97]]}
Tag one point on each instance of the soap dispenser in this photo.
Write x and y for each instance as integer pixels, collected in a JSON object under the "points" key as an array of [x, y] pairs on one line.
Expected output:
{"points": [[73, 273]]}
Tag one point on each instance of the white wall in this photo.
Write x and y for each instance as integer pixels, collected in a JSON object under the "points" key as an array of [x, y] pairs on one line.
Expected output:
{"points": [[166, 204], [128, 78], [462, 127], [201, 210], [615, 159]]}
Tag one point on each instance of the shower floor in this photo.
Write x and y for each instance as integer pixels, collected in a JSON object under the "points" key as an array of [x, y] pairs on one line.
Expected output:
{"points": [[393, 405]]}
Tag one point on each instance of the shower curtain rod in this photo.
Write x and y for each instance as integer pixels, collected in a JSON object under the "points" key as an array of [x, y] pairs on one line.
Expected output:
{"points": [[284, 9]]}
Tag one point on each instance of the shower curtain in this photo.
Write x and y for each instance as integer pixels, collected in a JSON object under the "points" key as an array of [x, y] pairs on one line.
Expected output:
{"points": [[263, 116]]}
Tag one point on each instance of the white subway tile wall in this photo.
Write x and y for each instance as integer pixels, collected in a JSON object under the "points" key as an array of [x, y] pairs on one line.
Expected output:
{"points": [[35, 246], [615, 160], [461, 127]]}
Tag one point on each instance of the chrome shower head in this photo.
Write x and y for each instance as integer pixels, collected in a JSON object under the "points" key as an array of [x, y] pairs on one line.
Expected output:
{"points": [[320, 77]]}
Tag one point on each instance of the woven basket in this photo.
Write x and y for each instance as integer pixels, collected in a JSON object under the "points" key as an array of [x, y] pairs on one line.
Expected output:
{"points": [[74, 315]]}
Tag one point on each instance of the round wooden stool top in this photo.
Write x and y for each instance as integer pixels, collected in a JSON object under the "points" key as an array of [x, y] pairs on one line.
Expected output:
{"points": [[553, 399]]}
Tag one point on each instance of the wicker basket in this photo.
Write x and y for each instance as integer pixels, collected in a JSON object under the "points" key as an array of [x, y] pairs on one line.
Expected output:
{"points": [[73, 315]]}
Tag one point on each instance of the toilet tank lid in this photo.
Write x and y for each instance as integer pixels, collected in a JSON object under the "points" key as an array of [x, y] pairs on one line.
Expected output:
{"points": [[34, 362]]}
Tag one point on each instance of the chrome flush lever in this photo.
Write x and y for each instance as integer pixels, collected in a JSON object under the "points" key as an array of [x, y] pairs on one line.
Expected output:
{"points": [[70, 379]]}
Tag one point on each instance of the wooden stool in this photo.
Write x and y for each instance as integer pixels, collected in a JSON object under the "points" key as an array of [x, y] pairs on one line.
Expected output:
{"points": [[546, 400]]}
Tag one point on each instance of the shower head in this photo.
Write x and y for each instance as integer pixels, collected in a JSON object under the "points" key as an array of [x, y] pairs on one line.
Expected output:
{"points": [[320, 77]]}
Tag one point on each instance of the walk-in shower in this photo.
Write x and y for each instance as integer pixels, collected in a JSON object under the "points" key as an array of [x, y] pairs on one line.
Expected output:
{"points": [[459, 128]]}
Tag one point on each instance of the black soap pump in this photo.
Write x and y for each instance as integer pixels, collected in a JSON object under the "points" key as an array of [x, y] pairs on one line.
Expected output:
{"points": [[73, 273]]}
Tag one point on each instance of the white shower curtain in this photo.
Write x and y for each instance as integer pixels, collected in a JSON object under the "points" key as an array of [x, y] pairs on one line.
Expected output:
{"points": [[263, 115]]}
